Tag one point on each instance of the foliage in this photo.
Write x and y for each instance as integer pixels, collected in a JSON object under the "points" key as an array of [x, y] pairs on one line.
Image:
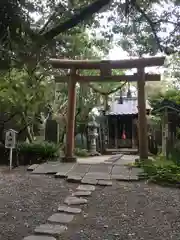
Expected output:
{"points": [[25, 84], [33, 25], [173, 69], [26, 94], [161, 171], [154, 121], [139, 26], [42, 150], [145, 27], [171, 94], [81, 152]]}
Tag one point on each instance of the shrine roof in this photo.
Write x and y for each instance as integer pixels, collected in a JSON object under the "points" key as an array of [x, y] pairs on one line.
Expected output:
{"points": [[128, 107]]}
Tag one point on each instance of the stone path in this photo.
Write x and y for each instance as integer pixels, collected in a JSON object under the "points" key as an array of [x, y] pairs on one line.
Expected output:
{"points": [[88, 175], [58, 223], [113, 168]]}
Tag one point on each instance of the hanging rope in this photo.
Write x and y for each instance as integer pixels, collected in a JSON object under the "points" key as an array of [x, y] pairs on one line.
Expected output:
{"points": [[108, 92]]}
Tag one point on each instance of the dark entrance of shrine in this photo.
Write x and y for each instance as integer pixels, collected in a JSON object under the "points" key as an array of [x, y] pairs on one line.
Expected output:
{"points": [[120, 131]]}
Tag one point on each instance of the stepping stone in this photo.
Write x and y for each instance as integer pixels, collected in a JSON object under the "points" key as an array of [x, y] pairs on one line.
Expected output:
{"points": [[120, 177], [74, 178], [61, 218], [133, 178], [49, 229], [90, 181], [82, 193], [98, 176], [61, 175], [85, 188], [32, 167], [41, 169], [80, 169], [66, 209], [104, 183], [65, 169], [100, 168], [34, 237], [122, 170], [75, 201]]}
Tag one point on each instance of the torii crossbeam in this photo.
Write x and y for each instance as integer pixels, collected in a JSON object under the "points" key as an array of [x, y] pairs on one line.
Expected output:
{"points": [[105, 67]]}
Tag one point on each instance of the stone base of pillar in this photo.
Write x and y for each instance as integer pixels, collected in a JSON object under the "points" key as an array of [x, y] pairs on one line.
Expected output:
{"points": [[68, 159], [95, 153]]}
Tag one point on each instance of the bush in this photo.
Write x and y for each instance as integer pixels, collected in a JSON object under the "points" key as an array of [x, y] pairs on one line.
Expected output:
{"points": [[36, 152], [162, 171], [81, 152], [175, 153]]}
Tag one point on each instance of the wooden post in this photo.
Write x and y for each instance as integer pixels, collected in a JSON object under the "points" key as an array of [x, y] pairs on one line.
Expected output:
{"points": [[69, 150], [116, 132], [133, 134], [142, 121], [165, 134]]}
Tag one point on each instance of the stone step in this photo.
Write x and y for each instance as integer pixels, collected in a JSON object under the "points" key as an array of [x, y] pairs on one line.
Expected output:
{"points": [[74, 178], [65, 169], [85, 188], [61, 218], [50, 229], [90, 181], [104, 183], [75, 201], [82, 193], [36, 237], [98, 176], [63, 208], [32, 167]]}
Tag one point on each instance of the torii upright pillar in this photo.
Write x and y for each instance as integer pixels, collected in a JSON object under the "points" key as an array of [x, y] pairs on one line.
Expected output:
{"points": [[142, 120], [70, 126]]}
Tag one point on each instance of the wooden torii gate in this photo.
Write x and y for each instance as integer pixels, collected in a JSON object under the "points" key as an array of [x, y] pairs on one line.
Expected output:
{"points": [[105, 67]]}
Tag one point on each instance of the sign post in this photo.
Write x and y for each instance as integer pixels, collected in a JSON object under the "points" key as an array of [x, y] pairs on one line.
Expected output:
{"points": [[10, 143]]}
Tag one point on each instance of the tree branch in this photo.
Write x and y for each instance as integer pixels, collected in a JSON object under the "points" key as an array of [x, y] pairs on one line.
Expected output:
{"points": [[83, 14], [152, 24], [52, 16]]}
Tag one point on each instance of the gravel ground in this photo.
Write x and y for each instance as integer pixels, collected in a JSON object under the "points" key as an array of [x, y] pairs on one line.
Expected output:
{"points": [[130, 211], [27, 200], [125, 211]]}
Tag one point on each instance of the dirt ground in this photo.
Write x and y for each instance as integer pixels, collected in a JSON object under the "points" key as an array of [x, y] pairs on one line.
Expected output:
{"points": [[125, 211], [27, 200], [130, 211]]}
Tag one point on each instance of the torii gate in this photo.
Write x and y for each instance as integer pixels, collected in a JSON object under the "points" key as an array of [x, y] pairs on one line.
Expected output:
{"points": [[105, 67]]}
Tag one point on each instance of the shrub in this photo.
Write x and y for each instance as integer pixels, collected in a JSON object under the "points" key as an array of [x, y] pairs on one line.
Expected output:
{"points": [[162, 171], [81, 152], [37, 152]]}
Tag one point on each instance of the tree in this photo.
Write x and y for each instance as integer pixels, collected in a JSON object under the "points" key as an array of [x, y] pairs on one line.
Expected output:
{"points": [[147, 27], [171, 94], [26, 95], [137, 21], [173, 69]]}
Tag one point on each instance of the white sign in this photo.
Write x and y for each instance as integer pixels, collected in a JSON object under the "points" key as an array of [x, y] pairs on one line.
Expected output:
{"points": [[10, 139], [10, 142]]}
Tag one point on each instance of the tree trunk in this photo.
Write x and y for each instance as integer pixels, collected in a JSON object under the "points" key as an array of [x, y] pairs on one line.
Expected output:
{"points": [[82, 140], [62, 136], [29, 133]]}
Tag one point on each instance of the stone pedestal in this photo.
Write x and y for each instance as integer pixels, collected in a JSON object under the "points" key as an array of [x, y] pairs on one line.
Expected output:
{"points": [[92, 133], [68, 159]]}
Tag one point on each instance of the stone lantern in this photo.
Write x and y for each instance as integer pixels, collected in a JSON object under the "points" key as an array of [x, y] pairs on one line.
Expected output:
{"points": [[93, 134]]}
